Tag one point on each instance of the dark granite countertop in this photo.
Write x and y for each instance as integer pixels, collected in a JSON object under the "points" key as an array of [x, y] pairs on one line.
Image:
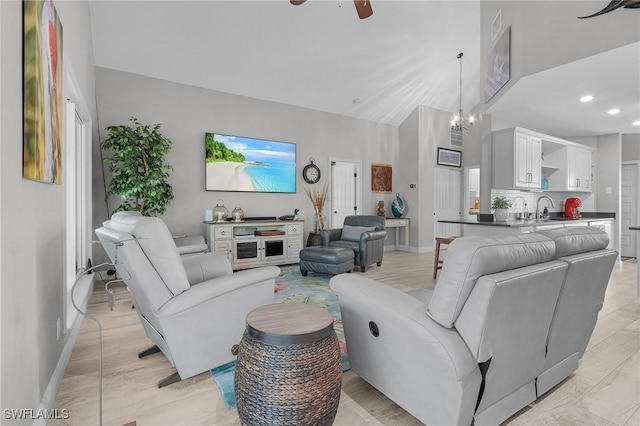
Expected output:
{"points": [[553, 219]]}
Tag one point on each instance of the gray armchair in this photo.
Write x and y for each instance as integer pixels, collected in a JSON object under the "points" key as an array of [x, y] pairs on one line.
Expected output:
{"points": [[193, 309], [364, 235]]}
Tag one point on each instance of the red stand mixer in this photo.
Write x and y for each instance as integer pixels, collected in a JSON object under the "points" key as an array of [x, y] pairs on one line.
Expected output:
{"points": [[572, 208]]}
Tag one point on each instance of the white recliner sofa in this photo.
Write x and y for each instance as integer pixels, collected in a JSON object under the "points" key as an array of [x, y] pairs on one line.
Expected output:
{"points": [[508, 319], [192, 308]]}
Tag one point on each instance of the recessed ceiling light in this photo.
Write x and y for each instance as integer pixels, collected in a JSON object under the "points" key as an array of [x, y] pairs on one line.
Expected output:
{"points": [[613, 111], [636, 123], [586, 98]]}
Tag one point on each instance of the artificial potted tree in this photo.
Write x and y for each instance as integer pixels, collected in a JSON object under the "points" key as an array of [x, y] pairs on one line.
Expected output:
{"points": [[501, 206], [140, 173]]}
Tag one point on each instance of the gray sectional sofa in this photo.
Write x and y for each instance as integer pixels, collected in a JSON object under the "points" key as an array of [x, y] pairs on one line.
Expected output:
{"points": [[509, 318]]}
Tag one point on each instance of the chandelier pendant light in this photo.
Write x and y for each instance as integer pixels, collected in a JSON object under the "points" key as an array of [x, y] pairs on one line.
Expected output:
{"points": [[459, 122]]}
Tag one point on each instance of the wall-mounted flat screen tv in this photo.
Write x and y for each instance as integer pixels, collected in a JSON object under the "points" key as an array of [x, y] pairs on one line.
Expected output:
{"points": [[235, 163]]}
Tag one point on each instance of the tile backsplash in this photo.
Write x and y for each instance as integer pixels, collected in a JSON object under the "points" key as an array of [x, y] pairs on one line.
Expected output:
{"points": [[519, 198]]}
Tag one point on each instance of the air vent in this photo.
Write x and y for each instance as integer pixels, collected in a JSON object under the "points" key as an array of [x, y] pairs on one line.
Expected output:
{"points": [[456, 139]]}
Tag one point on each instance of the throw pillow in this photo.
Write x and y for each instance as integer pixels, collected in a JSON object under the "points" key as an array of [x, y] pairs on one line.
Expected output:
{"points": [[352, 233]]}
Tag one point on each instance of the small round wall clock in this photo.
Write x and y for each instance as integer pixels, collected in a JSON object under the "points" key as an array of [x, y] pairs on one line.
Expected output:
{"points": [[311, 172]]}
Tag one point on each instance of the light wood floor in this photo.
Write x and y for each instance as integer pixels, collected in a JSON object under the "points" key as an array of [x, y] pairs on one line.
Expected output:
{"points": [[605, 390]]}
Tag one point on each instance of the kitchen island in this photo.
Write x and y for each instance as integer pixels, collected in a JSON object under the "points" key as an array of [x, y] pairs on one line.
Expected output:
{"points": [[603, 221], [637, 228]]}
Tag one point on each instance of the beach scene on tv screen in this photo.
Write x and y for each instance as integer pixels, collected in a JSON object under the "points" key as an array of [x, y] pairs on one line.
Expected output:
{"points": [[235, 163]]}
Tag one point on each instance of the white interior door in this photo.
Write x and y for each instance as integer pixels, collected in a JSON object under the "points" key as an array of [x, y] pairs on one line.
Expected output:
{"points": [[629, 214], [448, 191], [471, 191], [343, 191]]}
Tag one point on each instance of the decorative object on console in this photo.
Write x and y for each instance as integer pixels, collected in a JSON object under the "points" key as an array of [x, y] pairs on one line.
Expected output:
{"points": [[237, 213], [449, 157], [459, 123], [381, 178], [293, 216], [501, 206], [145, 189], [380, 208], [220, 212], [318, 198], [311, 172], [234, 163], [398, 205], [498, 68]]}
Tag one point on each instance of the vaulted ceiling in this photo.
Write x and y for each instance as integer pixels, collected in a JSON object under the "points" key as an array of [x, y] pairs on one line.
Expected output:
{"points": [[319, 55]]}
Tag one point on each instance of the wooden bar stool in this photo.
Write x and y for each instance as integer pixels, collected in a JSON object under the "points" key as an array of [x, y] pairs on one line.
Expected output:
{"points": [[437, 263]]}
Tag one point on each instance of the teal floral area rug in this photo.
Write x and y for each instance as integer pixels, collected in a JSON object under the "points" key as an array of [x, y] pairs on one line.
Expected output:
{"points": [[292, 287]]}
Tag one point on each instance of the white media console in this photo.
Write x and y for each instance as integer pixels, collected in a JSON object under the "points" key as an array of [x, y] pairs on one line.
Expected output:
{"points": [[256, 242]]}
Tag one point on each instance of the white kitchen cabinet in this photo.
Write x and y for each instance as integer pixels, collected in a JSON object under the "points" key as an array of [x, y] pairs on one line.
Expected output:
{"points": [[516, 159], [521, 158], [574, 172], [578, 169]]}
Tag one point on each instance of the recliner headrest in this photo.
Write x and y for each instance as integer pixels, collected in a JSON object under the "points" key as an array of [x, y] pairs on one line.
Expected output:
{"points": [[123, 221], [576, 239], [469, 258]]}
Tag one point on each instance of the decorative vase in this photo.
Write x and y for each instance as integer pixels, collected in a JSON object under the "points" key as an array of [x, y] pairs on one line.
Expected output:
{"points": [[237, 214], [397, 206], [319, 220], [220, 212], [502, 215]]}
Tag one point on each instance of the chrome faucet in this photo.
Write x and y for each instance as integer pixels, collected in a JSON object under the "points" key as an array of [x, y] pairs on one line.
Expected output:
{"points": [[538, 214]]}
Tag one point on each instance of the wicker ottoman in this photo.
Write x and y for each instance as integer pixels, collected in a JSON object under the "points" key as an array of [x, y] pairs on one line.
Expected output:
{"points": [[326, 260], [289, 368]]}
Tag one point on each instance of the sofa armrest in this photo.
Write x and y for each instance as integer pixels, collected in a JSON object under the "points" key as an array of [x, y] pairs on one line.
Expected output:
{"points": [[211, 289], [330, 235], [373, 235], [368, 238], [206, 266], [425, 368], [374, 297]]}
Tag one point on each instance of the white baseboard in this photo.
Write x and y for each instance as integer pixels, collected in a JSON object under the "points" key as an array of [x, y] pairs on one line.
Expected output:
{"points": [[411, 249], [58, 374]]}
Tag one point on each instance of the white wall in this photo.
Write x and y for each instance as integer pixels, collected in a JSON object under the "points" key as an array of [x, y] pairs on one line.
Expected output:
{"points": [[32, 221], [186, 113], [409, 134], [545, 34], [420, 136], [631, 146], [609, 179]]}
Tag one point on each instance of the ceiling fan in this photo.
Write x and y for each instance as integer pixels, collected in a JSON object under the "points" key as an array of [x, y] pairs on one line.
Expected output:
{"points": [[613, 5], [363, 7]]}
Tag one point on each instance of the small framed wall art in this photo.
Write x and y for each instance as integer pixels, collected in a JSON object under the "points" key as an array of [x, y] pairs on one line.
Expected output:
{"points": [[449, 157], [498, 66], [381, 178]]}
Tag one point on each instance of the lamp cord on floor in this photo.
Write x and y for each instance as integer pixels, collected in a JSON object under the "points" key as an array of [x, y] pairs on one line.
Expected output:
{"points": [[73, 302]]}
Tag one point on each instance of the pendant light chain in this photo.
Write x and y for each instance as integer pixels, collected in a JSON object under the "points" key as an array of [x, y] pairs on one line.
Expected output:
{"points": [[459, 123]]}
